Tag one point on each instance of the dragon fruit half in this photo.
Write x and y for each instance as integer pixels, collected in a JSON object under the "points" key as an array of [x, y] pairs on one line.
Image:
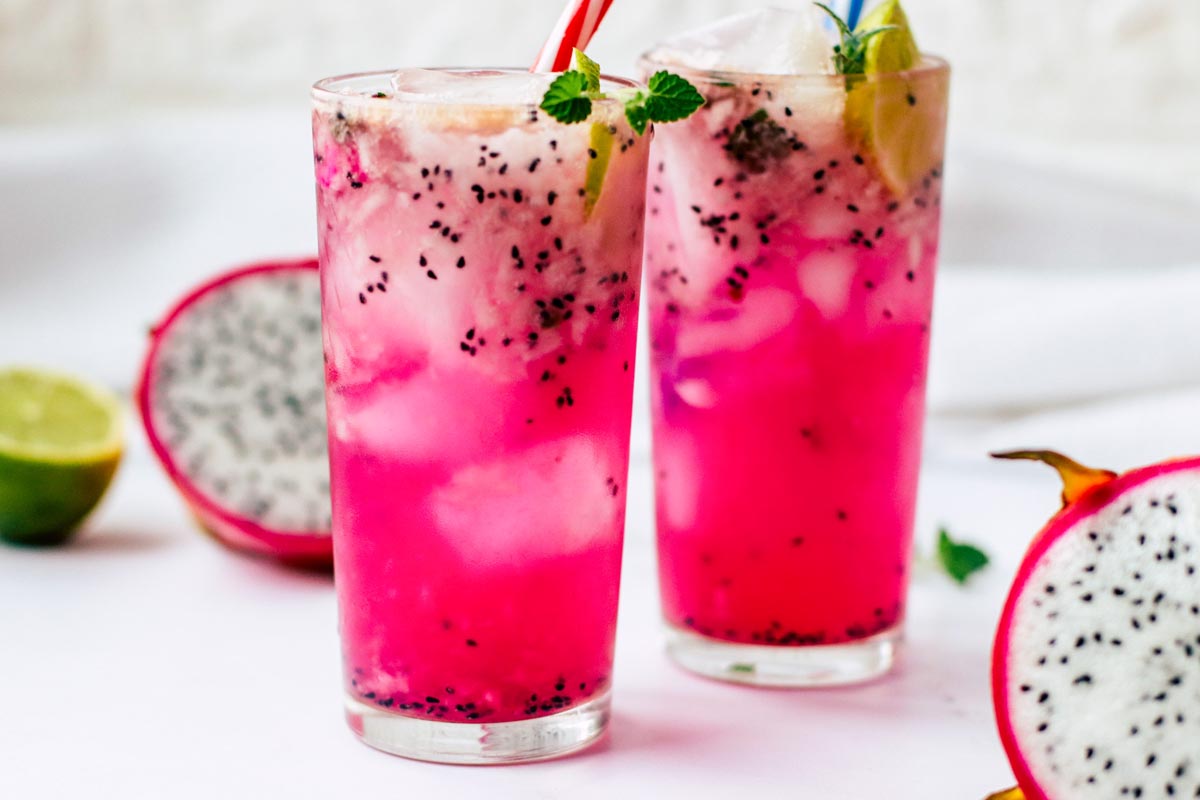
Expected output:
{"points": [[232, 398], [1096, 672]]}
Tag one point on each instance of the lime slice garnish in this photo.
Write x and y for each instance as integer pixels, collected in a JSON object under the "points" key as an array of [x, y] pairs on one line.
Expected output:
{"points": [[900, 123], [60, 443], [893, 50], [599, 154]]}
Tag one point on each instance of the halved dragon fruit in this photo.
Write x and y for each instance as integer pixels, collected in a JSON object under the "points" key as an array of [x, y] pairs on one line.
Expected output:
{"points": [[232, 399], [1096, 673]]}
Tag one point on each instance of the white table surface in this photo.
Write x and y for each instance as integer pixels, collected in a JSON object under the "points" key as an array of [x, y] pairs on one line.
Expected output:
{"points": [[146, 661]]}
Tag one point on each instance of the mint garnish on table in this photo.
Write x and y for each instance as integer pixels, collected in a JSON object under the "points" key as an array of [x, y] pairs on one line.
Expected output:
{"points": [[666, 98], [959, 559]]}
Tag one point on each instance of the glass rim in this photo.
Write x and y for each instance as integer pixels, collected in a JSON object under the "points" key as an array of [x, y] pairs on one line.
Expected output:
{"points": [[323, 89], [930, 64]]}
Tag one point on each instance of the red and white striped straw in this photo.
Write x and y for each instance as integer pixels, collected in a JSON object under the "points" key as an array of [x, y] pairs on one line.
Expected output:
{"points": [[575, 27]]}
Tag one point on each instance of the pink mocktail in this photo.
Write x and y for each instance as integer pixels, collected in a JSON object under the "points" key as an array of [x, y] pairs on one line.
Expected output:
{"points": [[480, 311], [790, 266]]}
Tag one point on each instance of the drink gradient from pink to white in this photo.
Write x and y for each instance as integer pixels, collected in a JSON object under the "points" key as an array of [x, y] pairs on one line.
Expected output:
{"points": [[480, 326], [790, 294]]}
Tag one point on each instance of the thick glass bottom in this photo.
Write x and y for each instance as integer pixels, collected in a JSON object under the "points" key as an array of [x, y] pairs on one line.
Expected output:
{"points": [[762, 665], [467, 743]]}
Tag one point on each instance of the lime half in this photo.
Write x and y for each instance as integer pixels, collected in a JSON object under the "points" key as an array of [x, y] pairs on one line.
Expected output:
{"points": [[900, 120], [60, 443]]}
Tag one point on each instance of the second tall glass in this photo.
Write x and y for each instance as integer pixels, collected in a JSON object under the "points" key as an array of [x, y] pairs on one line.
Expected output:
{"points": [[480, 266], [791, 245]]}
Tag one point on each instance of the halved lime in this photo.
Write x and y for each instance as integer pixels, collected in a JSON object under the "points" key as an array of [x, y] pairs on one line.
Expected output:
{"points": [[900, 122], [60, 442]]}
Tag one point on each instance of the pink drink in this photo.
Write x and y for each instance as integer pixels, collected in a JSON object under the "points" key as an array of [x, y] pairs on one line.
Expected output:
{"points": [[480, 324], [790, 292]]}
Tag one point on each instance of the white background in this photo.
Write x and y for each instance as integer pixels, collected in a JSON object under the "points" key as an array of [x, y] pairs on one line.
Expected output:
{"points": [[1095, 70], [145, 145]]}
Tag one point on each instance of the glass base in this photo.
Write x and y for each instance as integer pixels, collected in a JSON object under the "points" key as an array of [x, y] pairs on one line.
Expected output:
{"points": [[467, 743], [762, 665]]}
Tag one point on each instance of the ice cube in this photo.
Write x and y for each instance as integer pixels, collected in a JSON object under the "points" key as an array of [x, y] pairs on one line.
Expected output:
{"points": [[826, 280], [678, 485], [481, 86], [417, 413], [762, 313], [696, 392], [773, 41], [547, 500]]}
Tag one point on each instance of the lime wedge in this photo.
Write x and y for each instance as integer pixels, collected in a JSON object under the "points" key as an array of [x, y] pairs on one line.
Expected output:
{"points": [[600, 153], [899, 122], [894, 50], [60, 443]]}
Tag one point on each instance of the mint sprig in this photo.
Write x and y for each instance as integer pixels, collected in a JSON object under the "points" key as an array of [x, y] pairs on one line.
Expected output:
{"points": [[567, 99], [850, 57], [667, 97], [959, 559]]}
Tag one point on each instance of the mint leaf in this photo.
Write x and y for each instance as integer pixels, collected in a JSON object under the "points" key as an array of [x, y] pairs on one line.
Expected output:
{"points": [[636, 113], [746, 668], [671, 98], [850, 57], [959, 559], [589, 68], [567, 99], [843, 28]]}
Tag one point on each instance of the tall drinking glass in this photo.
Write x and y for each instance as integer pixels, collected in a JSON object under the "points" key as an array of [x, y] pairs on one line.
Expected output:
{"points": [[792, 238], [480, 296]]}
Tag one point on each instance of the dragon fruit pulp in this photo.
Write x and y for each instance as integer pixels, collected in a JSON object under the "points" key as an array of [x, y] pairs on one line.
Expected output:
{"points": [[1096, 671], [232, 399]]}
